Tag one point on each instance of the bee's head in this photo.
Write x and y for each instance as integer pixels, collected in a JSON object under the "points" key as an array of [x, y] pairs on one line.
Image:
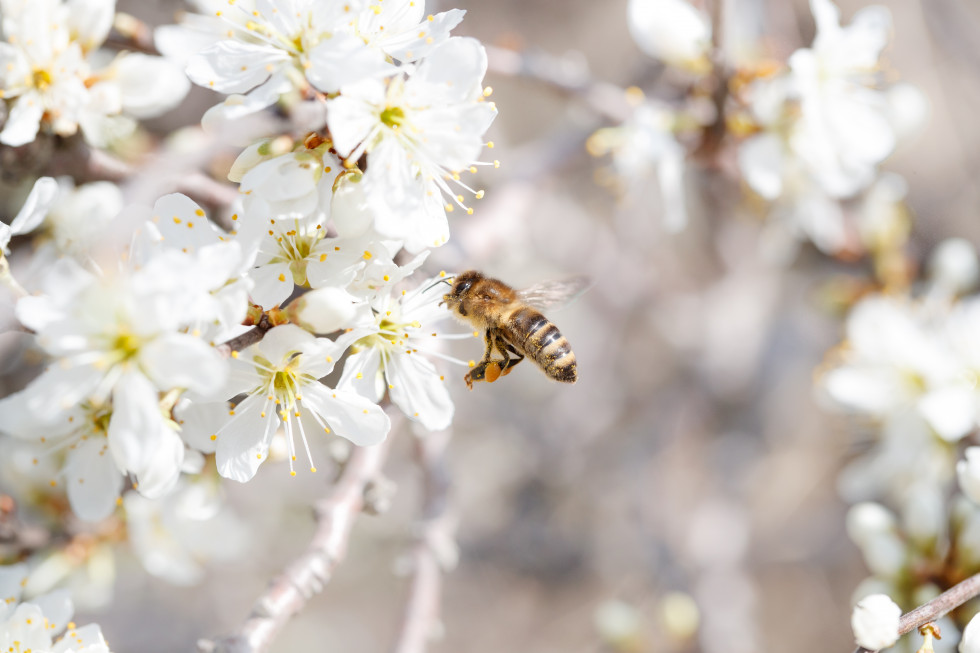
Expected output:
{"points": [[461, 285]]}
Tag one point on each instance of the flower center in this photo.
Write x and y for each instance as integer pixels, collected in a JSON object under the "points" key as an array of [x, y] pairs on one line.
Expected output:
{"points": [[42, 79], [125, 346], [393, 117]]}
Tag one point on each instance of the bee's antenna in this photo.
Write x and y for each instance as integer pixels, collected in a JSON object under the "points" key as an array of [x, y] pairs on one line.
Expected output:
{"points": [[445, 280]]}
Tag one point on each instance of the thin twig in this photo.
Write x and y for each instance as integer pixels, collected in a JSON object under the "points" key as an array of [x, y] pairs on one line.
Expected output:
{"points": [[306, 576], [247, 339], [949, 600], [421, 619]]}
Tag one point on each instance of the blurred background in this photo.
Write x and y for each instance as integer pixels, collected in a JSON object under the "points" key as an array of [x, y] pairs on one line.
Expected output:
{"points": [[682, 495]]}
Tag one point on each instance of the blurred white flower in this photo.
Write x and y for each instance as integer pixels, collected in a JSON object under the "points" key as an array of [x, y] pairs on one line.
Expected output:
{"points": [[953, 265], [176, 535], [644, 148], [893, 360], [46, 73], [875, 622], [280, 376], [825, 125], [672, 31]]}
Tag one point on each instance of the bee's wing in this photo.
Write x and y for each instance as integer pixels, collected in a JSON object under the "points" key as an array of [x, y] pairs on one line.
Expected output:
{"points": [[554, 294]]}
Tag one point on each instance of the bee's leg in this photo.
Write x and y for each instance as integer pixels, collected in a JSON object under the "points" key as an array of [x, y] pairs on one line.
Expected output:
{"points": [[504, 347], [480, 371], [493, 368]]}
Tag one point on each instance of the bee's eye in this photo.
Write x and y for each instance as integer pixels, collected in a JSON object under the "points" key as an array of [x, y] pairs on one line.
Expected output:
{"points": [[464, 286]]}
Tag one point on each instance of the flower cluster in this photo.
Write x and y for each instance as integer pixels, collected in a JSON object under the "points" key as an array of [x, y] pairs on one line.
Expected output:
{"points": [[404, 108], [52, 74], [130, 305], [909, 366], [33, 625], [810, 133]]}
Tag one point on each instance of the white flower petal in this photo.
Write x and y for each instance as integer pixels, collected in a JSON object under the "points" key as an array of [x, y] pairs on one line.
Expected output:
{"points": [[90, 21], [761, 160], [36, 206], [162, 472], [179, 360], [135, 423], [363, 375], [12, 581], [418, 390], [348, 415], [243, 443], [57, 608], [87, 639], [234, 67], [94, 482], [150, 85], [23, 121], [343, 59], [951, 411]]}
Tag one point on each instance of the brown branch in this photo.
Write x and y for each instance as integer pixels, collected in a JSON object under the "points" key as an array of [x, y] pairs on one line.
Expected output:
{"points": [[84, 163], [306, 576], [949, 600], [421, 619], [564, 75]]}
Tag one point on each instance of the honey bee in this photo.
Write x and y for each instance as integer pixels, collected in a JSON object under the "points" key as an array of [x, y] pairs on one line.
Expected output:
{"points": [[513, 325]]}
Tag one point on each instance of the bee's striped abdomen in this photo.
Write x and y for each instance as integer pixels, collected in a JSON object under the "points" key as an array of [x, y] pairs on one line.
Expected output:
{"points": [[540, 340]]}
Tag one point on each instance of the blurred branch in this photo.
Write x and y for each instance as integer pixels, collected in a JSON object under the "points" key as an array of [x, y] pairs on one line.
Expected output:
{"points": [[17, 538], [949, 600], [306, 576], [84, 164], [136, 35], [563, 74], [434, 545], [206, 190]]}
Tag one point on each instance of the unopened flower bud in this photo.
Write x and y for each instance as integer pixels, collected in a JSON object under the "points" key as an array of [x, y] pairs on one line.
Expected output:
{"points": [[875, 622], [323, 310], [868, 520], [954, 265], [971, 636]]}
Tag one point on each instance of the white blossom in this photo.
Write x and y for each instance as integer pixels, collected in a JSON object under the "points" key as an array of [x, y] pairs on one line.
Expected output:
{"points": [[47, 73], [266, 48], [421, 131], [390, 336], [119, 344], [280, 376], [33, 625]]}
